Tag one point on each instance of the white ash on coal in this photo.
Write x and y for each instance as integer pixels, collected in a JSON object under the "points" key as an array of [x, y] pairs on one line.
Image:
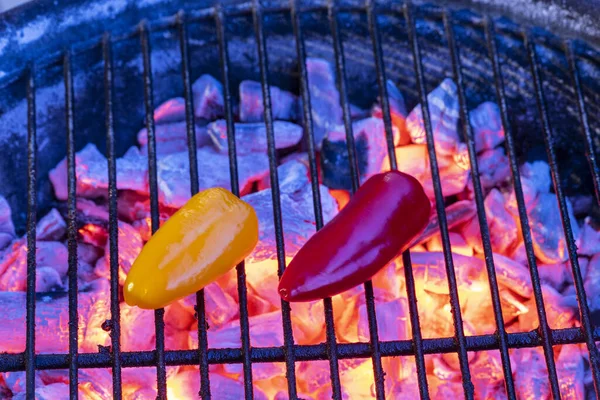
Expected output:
{"points": [[7, 229], [487, 126], [252, 137], [208, 98], [443, 112], [284, 104], [297, 212], [172, 110], [213, 169], [172, 137], [324, 99]]}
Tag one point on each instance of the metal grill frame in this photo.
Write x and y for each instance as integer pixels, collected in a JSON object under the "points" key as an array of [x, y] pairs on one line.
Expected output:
{"points": [[331, 350]]}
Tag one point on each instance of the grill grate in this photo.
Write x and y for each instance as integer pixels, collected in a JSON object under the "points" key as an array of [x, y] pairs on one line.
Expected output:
{"points": [[331, 349]]}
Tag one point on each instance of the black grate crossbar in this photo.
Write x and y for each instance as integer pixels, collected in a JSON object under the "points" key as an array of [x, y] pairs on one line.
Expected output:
{"points": [[331, 350]]}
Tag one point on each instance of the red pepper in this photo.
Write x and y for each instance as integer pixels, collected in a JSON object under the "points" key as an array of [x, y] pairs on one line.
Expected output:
{"points": [[379, 222]]}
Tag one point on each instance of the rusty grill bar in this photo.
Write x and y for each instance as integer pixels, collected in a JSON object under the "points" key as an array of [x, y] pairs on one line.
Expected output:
{"points": [[114, 325], [330, 350]]}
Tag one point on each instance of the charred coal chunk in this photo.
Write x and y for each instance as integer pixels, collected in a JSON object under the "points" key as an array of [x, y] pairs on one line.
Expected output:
{"points": [[487, 126], [90, 170], [92, 178], [172, 110], [208, 98], [213, 168], [293, 176], [588, 242], [7, 229], [371, 150], [252, 137], [51, 227], [493, 168], [284, 103], [297, 212], [132, 171], [549, 243], [172, 137], [324, 99]]}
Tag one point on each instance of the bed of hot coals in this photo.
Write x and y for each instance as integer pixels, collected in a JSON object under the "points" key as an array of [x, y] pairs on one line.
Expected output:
{"points": [[299, 224]]}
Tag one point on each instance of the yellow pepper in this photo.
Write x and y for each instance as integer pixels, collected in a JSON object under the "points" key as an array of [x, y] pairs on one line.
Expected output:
{"points": [[208, 236]]}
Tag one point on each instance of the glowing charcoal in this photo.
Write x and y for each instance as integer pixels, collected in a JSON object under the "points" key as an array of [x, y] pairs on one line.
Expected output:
{"points": [[397, 113], [172, 110], [220, 307], [130, 244], [443, 110], [392, 321], [13, 264], [502, 226], [531, 374], [570, 371], [297, 213], [545, 221]]}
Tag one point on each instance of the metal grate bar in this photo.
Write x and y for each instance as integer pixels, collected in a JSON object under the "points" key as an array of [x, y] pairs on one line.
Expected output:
{"points": [[479, 200], [288, 336], [233, 170], [354, 172], [16, 362], [583, 117], [31, 236], [71, 229], [161, 376], [584, 311], [194, 187], [408, 271], [544, 330], [334, 372], [115, 312], [439, 203]]}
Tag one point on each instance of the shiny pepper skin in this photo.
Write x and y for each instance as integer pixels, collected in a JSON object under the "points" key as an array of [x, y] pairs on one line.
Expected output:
{"points": [[379, 222], [209, 235]]}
